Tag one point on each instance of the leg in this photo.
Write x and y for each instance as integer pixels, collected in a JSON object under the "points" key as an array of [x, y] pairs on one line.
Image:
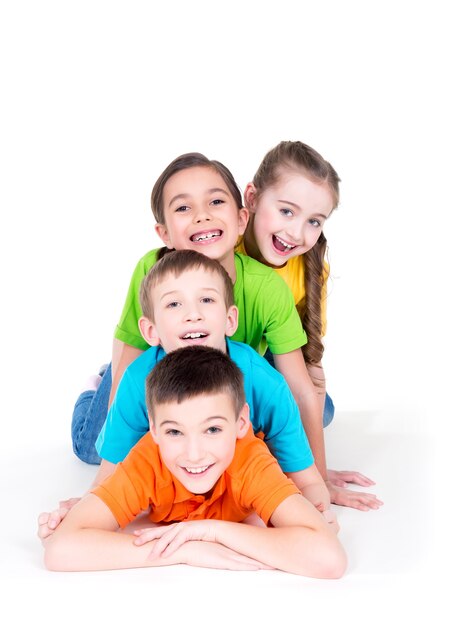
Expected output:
{"points": [[329, 410], [88, 417]]}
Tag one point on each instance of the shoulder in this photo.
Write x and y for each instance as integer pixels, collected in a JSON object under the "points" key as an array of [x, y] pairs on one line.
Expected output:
{"points": [[142, 365], [248, 360], [252, 270], [149, 259]]}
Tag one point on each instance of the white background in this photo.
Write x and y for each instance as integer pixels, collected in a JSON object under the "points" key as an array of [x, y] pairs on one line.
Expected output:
{"points": [[97, 97]]}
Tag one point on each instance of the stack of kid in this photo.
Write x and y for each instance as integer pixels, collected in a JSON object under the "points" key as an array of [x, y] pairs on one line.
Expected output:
{"points": [[197, 206]]}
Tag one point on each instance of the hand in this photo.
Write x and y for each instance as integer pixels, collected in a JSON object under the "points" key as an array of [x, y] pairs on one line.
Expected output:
{"points": [[48, 522], [209, 554], [331, 520], [318, 495], [353, 499], [171, 537], [341, 479]]}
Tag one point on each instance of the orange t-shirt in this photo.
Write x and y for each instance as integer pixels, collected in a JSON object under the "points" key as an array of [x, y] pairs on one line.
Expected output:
{"points": [[252, 482]]}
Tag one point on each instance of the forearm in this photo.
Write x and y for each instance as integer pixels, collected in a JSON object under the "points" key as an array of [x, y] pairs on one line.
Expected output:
{"points": [[310, 400], [122, 355], [296, 549], [311, 407], [90, 549]]}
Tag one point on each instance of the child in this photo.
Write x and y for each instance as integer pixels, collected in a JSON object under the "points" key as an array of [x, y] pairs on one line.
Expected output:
{"points": [[187, 299], [293, 193], [197, 466], [197, 205]]}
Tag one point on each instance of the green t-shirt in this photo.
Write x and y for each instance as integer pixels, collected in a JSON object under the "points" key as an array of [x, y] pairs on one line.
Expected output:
{"points": [[267, 313]]}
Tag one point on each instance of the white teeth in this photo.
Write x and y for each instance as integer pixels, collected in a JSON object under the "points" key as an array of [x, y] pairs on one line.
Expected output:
{"points": [[205, 236], [286, 245], [194, 335], [197, 470]]}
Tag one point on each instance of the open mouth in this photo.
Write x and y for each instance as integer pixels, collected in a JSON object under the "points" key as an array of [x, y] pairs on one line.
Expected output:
{"points": [[197, 471], [282, 246], [206, 236], [193, 336]]}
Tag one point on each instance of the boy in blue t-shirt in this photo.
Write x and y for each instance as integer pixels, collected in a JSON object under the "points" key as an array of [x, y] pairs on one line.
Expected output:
{"points": [[187, 299]]}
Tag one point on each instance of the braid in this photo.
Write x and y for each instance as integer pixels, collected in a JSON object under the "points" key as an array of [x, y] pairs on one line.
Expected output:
{"points": [[310, 309]]}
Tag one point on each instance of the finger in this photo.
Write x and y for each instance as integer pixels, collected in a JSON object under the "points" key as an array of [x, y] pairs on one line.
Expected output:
{"points": [[43, 518], [159, 548], [144, 535], [359, 479]]}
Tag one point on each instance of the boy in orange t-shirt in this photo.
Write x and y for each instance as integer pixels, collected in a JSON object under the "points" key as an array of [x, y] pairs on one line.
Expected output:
{"points": [[199, 465]]}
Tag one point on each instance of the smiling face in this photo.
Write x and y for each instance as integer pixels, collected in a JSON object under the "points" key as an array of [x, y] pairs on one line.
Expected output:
{"points": [[287, 218], [197, 437], [190, 309], [201, 214]]}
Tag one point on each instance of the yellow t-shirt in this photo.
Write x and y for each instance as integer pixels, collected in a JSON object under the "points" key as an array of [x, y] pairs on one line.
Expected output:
{"points": [[293, 275]]}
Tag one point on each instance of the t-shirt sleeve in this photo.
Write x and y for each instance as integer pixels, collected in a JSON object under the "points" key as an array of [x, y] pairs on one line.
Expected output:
{"points": [[126, 421], [279, 419], [127, 492], [127, 329], [263, 485], [284, 332]]}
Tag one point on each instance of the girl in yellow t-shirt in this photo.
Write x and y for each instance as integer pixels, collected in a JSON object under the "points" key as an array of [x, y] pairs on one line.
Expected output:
{"points": [[293, 193]]}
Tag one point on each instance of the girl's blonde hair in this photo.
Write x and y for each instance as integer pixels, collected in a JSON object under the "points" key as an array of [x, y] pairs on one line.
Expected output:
{"points": [[299, 157]]}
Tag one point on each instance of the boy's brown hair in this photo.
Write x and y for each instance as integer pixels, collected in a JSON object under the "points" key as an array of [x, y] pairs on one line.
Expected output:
{"points": [[175, 263], [194, 371]]}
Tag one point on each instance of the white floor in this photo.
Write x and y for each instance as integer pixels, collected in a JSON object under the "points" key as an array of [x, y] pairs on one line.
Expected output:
{"points": [[98, 99], [393, 569]]}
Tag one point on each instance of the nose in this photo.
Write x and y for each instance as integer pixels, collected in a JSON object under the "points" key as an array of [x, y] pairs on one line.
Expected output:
{"points": [[194, 451], [296, 231], [193, 313], [202, 214]]}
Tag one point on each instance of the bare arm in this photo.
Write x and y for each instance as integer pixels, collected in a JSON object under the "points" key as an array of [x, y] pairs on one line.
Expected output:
{"points": [[312, 487], [87, 541], [301, 541], [122, 355], [310, 400]]}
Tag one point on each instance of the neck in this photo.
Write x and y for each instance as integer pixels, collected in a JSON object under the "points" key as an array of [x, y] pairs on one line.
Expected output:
{"points": [[228, 263]]}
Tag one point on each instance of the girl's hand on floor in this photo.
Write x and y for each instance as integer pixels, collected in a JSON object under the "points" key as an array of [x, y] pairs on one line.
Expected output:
{"points": [[353, 499], [342, 479]]}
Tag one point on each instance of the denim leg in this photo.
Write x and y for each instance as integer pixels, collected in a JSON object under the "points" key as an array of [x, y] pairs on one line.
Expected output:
{"points": [[329, 410], [88, 417]]}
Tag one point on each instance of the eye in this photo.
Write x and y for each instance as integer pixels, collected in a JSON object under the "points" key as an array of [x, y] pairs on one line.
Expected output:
{"points": [[286, 212], [315, 223], [217, 201], [207, 300], [213, 430], [173, 432], [172, 305], [182, 209]]}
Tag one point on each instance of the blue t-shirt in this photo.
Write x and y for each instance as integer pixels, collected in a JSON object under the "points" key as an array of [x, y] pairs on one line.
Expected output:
{"points": [[273, 410]]}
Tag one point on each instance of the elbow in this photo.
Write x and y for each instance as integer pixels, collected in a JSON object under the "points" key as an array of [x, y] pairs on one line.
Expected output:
{"points": [[330, 564], [337, 567], [55, 555]]}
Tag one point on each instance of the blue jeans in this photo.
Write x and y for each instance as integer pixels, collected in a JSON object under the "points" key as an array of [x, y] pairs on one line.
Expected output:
{"points": [[88, 417], [329, 409]]}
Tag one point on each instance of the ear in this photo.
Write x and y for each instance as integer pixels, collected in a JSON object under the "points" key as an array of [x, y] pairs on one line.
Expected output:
{"points": [[148, 331], [250, 197], [243, 421], [152, 429], [243, 217], [163, 234], [232, 321]]}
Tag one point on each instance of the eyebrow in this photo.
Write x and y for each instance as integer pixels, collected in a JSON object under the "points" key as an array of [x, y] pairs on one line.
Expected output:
{"points": [[208, 419], [185, 196], [298, 207], [172, 291]]}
